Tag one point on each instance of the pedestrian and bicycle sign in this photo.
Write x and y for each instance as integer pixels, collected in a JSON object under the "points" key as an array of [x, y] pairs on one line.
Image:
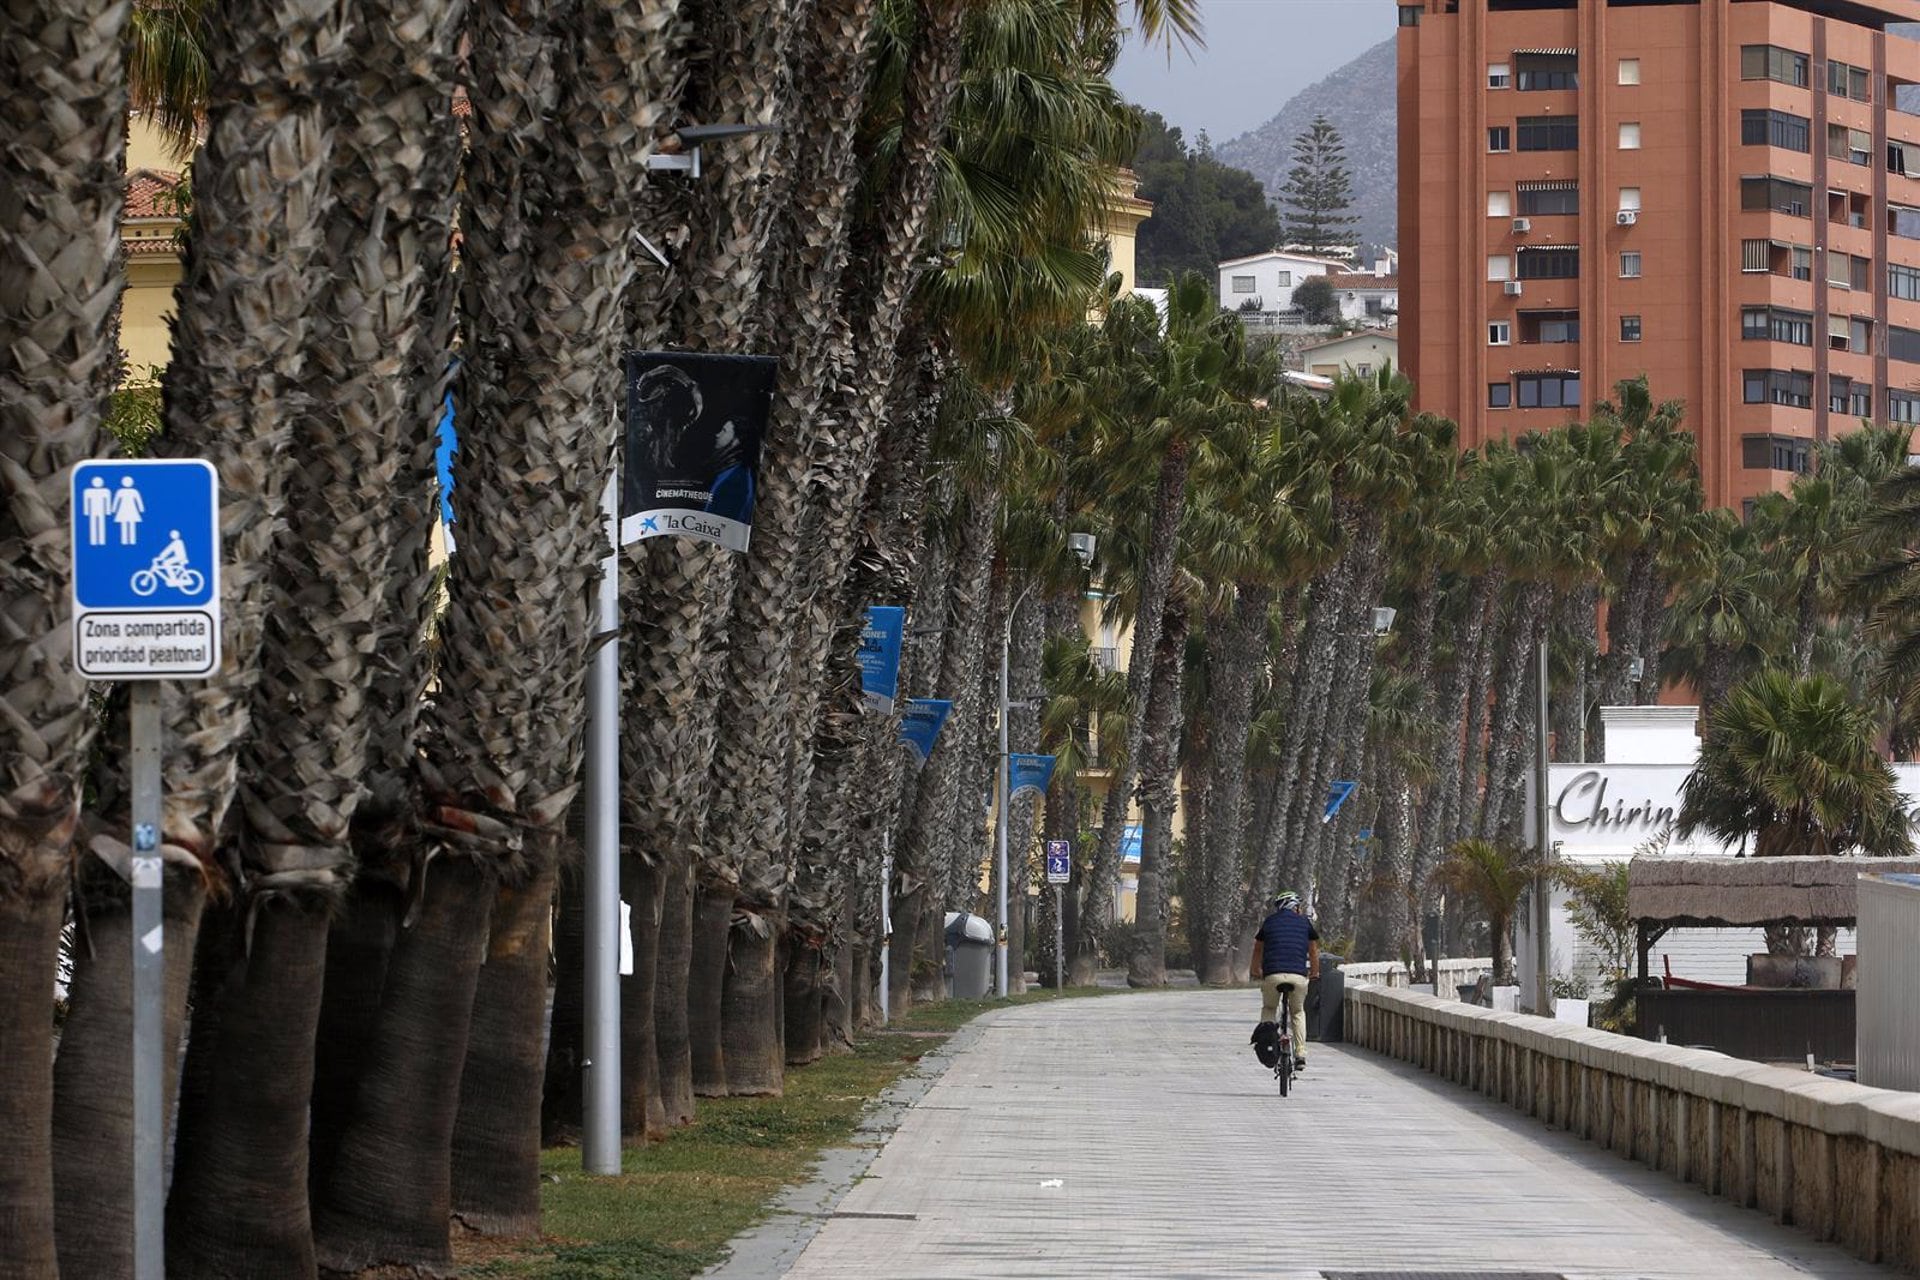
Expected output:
{"points": [[1059, 862], [146, 569]]}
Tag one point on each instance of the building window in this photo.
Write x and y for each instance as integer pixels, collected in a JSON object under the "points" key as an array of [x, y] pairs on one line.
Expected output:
{"points": [[1547, 71], [1499, 138], [1499, 395], [1903, 221], [1778, 194], [1629, 71], [1903, 406], [1802, 263], [1855, 146], [1286, 279], [1776, 324], [1903, 344], [1548, 133], [1558, 263], [1553, 327], [1629, 135], [1778, 386], [1540, 198], [1410, 15], [1860, 335], [1770, 62], [1548, 390], [1846, 396], [1630, 265], [1629, 328], [1499, 76], [1243, 284], [1862, 272], [1499, 333], [1499, 266], [1774, 453], [1848, 81], [1903, 282], [1904, 158], [1499, 204], [1630, 198], [1762, 128]]}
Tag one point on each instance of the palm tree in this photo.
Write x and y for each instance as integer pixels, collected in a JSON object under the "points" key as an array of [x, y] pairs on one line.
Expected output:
{"points": [[1792, 765], [1724, 622], [241, 332], [1491, 879], [59, 248], [1172, 391], [168, 72], [243, 1127]]}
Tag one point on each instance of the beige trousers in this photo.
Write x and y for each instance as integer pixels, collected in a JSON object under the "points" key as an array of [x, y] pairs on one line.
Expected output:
{"points": [[1296, 988]]}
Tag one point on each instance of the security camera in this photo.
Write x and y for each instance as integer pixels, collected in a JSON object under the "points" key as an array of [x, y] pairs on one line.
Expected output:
{"points": [[1383, 620], [1082, 545]]}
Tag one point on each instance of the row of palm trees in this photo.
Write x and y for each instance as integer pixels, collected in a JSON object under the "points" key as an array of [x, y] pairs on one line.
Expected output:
{"points": [[368, 810]]}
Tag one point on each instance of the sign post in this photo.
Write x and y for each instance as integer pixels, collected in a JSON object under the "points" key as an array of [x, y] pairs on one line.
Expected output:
{"points": [[1059, 872], [146, 607]]}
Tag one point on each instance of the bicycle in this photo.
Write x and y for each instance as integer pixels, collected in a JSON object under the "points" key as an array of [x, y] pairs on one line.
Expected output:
{"points": [[146, 581], [1283, 1067]]}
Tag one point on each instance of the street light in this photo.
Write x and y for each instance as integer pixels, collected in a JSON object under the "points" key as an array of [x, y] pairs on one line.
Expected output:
{"points": [[1082, 545]]}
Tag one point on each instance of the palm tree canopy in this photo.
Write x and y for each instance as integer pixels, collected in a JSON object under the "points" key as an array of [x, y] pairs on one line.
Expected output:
{"points": [[1794, 764]]}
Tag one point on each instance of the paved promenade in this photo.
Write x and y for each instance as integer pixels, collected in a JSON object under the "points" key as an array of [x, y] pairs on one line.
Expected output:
{"points": [[1136, 1136]]}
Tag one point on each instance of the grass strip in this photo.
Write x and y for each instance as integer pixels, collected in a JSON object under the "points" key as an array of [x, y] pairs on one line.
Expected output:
{"points": [[676, 1203]]}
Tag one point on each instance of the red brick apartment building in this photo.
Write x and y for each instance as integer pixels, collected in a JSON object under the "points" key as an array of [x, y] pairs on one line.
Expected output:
{"points": [[1721, 194]]}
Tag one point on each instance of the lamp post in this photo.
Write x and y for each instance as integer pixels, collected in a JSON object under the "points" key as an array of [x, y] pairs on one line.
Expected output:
{"points": [[1082, 545]]}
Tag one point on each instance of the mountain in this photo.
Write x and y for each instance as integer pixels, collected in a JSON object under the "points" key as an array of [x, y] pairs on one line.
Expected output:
{"points": [[1359, 99]]}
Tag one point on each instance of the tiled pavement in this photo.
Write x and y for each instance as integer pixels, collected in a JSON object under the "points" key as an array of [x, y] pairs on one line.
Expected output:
{"points": [[1136, 1136]]}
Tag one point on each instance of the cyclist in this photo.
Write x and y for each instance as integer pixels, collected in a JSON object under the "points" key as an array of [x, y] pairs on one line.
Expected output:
{"points": [[1286, 954]]}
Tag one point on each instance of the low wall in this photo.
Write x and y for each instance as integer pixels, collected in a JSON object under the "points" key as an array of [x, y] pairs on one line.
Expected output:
{"points": [[1392, 973], [1764, 1026], [1839, 1160]]}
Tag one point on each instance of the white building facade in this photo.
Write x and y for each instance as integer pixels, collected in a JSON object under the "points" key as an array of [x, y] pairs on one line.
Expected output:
{"points": [[1269, 279]]}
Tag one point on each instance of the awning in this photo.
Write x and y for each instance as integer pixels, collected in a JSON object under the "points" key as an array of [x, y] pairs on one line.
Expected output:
{"points": [[1547, 248], [1548, 53], [1547, 184]]}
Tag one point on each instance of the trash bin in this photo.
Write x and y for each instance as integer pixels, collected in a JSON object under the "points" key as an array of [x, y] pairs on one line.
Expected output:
{"points": [[969, 955], [1326, 995]]}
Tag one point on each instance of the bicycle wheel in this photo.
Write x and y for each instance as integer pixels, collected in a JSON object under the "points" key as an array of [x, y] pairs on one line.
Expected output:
{"points": [[144, 582], [191, 581], [1284, 1075]]}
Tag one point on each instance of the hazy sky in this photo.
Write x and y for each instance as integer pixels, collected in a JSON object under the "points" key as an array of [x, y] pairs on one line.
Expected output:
{"points": [[1258, 54]]}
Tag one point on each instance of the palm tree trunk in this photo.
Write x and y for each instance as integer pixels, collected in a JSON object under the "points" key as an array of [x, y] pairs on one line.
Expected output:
{"points": [[93, 1075], [1024, 656], [496, 1132], [642, 1101], [1347, 707], [706, 984], [242, 1139], [673, 1043], [1147, 964], [1311, 681], [359, 947], [1155, 579], [1513, 717], [563, 1095], [63, 169], [388, 1195]]}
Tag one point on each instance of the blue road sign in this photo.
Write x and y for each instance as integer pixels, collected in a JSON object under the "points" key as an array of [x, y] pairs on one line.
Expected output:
{"points": [[146, 569], [1059, 862], [1337, 795]]}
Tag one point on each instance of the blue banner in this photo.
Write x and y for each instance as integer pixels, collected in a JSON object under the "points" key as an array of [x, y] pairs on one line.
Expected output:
{"points": [[1028, 773], [920, 727], [1336, 796], [880, 655], [1131, 836]]}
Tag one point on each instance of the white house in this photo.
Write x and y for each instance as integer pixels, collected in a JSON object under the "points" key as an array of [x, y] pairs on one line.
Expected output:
{"points": [[1362, 353], [1269, 279], [1371, 299]]}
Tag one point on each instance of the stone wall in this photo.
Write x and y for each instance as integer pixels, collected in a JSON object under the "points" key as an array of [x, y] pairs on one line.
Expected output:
{"points": [[1839, 1160]]}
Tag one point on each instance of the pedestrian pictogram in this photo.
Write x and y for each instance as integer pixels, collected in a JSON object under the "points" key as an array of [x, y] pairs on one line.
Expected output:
{"points": [[146, 569], [1059, 862]]}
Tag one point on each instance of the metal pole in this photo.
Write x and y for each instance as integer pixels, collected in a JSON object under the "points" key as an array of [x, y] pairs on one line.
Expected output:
{"points": [[886, 922], [1543, 888], [1059, 937], [1580, 721], [1000, 822], [149, 990], [600, 1135]]}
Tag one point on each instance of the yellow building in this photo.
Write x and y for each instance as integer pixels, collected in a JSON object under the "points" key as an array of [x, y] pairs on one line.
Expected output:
{"points": [[150, 234]]}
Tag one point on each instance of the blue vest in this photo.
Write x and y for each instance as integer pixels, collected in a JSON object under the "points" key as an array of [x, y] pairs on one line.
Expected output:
{"points": [[1284, 936]]}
